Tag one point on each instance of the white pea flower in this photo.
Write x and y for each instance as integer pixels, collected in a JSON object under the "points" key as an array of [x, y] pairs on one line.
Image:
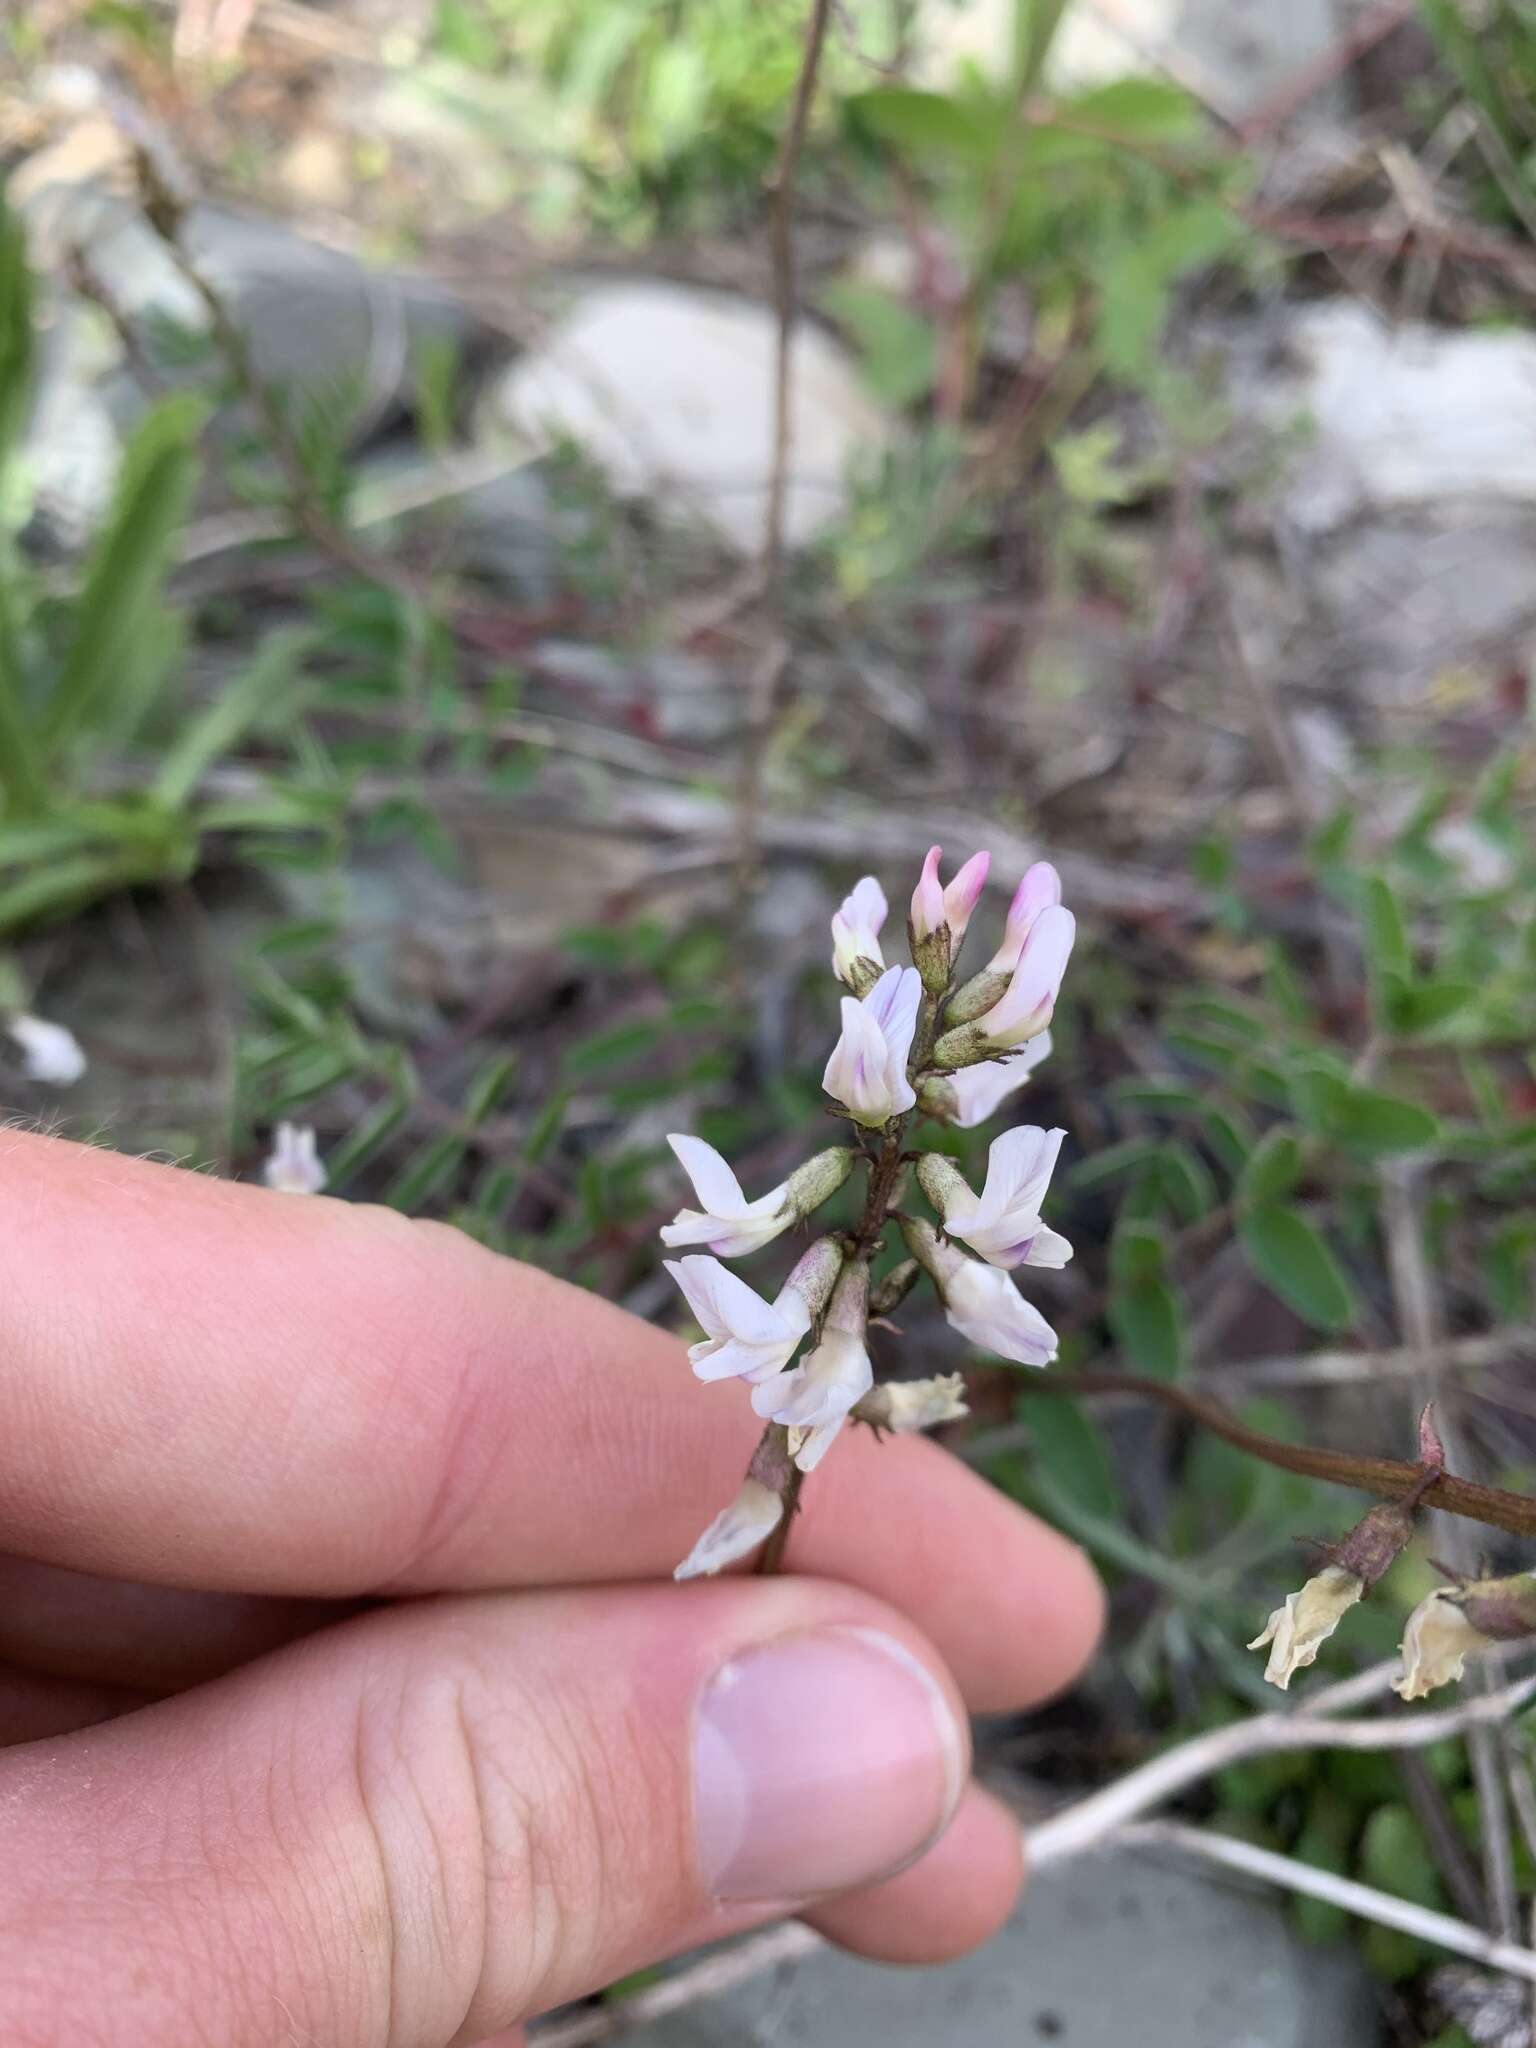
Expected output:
{"points": [[50, 1053], [293, 1166], [735, 1532], [980, 1301], [867, 1072], [1004, 1225], [746, 1337], [1298, 1630], [856, 929], [814, 1398], [726, 1221], [980, 1091], [1026, 1007]]}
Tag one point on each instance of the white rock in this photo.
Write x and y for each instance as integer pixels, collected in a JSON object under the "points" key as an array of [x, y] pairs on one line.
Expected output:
{"points": [[670, 392], [1406, 417], [1232, 52]]}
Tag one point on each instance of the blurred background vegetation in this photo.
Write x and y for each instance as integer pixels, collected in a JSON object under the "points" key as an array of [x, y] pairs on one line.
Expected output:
{"points": [[377, 754]]}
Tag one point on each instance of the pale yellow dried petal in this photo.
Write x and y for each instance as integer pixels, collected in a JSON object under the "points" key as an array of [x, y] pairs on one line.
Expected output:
{"points": [[1437, 1640], [1296, 1631]]}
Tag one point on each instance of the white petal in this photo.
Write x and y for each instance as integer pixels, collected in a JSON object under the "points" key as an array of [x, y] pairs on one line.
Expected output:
{"points": [[717, 1188], [1019, 1168], [735, 1532], [724, 1304], [816, 1443], [1048, 1248], [50, 1053], [983, 1304], [293, 1167]]}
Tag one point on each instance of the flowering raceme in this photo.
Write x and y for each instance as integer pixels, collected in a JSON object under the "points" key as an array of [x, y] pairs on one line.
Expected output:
{"points": [[913, 1042]]}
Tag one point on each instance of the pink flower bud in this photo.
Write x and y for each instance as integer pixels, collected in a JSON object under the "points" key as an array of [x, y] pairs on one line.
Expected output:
{"points": [[1026, 1008], [1040, 888], [964, 893], [928, 897]]}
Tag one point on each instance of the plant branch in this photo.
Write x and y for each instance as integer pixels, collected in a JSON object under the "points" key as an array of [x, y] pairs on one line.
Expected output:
{"points": [[1386, 1478], [766, 685], [1439, 1929], [1106, 1811]]}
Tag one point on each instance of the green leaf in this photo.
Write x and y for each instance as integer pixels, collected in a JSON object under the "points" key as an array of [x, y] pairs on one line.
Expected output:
{"points": [[127, 569], [1412, 1007], [16, 331], [1140, 109], [1270, 1172], [1071, 1445], [898, 349], [258, 691], [930, 124], [1377, 1122], [1143, 1309], [1294, 1262], [1229, 1135], [1113, 1162], [1386, 934], [1186, 1182], [1035, 23]]}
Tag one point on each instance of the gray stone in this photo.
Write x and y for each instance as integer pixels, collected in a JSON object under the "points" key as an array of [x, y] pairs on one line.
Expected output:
{"points": [[1103, 1952]]}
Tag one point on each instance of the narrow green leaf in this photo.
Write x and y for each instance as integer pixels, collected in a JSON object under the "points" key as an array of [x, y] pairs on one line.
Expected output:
{"points": [[1071, 1445], [1412, 1007], [1272, 1170], [127, 569], [1294, 1262], [260, 689], [1377, 1122], [16, 330], [1386, 934]]}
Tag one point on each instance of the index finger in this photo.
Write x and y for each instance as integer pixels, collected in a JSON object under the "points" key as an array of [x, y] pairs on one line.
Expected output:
{"points": [[204, 1384]]}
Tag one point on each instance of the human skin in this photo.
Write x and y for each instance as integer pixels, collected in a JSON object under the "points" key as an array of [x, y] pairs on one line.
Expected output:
{"points": [[343, 1697]]}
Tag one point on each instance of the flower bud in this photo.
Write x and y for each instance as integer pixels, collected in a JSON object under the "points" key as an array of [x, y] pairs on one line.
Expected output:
{"points": [[913, 1404], [814, 1274], [1031, 998], [888, 1293], [943, 1183], [856, 955], [818, 1179], [927, 913]]}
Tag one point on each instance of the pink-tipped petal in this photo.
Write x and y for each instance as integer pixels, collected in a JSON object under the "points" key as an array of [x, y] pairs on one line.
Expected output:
{"points": [[964, 893], [928, 897]]}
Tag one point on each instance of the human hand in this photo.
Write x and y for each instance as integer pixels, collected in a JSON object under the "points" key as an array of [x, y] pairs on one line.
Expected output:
{"points": [[347, 1710]]}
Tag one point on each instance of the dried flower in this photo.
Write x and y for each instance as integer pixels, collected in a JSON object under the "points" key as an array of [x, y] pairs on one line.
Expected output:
{"points": [[726, 1221], [294, 1166], [1004, 1225], [905, 1405], [1297, 1630], [856, 955], [867, 1072], [980, 1301], [735, 1532], [1437, 1640], [1445, 1628], [50, 1053], [815, 1397]]}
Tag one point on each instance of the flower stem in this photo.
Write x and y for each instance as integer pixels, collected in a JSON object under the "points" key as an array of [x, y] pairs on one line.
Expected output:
{"points": [[1387, 1478]]}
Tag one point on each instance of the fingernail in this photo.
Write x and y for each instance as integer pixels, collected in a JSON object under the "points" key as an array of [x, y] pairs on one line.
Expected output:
{"points": [[821, 1761]]}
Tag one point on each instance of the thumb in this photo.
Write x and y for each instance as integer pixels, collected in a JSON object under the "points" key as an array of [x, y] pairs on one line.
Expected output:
{"points": [[437, 1820]]}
